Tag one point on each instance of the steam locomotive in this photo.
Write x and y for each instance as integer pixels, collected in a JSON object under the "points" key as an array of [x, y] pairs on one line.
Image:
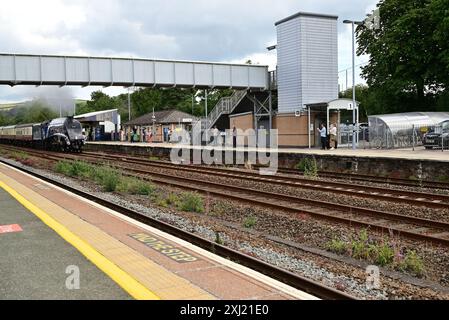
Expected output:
{"points": [[62, 134]]}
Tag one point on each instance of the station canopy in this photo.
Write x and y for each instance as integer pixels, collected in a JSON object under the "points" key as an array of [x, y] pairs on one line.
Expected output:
{"points": [[395, 123], [100, 116]]}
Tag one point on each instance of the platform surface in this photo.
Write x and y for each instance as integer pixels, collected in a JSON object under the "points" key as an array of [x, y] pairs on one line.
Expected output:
{"points": [[419, 153], [145, 262], [34, 261]]}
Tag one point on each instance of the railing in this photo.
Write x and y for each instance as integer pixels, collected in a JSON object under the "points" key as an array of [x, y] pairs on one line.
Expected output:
{"points": [[396, 136], [225, 106]]}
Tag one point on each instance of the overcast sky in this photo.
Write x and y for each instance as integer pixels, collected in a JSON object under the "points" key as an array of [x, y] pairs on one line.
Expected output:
{"points": [[209, 30]]}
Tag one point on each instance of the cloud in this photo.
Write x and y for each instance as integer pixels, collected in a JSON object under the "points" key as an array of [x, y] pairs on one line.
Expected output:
{"points": [[219, 30]]}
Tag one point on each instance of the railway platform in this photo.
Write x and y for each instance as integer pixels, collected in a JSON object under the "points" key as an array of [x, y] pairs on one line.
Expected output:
{"points": [[420, 153], [57, 245], [421, 164]]}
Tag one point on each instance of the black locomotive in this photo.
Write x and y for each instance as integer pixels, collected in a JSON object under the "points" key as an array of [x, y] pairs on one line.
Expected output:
{"points": [[62, 134]]}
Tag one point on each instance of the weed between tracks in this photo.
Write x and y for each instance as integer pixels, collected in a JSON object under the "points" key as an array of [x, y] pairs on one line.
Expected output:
{"points": [[309, 167], [381, 253], [112, 180]]}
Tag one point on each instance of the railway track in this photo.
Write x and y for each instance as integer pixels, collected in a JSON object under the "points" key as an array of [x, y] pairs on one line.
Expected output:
{"points": [[370, 178], [385, 222], [312, 287], [437, 201]]}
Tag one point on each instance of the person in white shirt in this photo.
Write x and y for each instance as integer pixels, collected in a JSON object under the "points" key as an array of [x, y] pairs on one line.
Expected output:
{"points": [[323, 134]]}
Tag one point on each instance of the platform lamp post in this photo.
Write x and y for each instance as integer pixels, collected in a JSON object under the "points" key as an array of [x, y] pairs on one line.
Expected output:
{"points": [[129, 103], [354, 117]]}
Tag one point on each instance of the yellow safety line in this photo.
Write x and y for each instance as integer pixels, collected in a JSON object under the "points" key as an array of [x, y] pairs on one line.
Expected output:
{"points": [[123, 279]]}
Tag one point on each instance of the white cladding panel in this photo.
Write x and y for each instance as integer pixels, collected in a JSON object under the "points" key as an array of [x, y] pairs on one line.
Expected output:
{"points": [[101, 70], [222, 75], [184, 74], [307, 61], [289, 73], [77, 70], [319, 65], [240, 76], [165, 73], [53, 69], [203, 74], [258, 77], [144, 71], [122, 70], [7, 68], [28, 68], [60, 70]]}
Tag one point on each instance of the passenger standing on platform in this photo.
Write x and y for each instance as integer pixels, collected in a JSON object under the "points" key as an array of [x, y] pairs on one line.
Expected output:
{"points": [[323, 134], [169, 135], [333, 136], [234, 137]]}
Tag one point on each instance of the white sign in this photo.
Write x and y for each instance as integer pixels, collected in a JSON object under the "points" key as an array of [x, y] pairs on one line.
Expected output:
{"points": [[187, 120]]}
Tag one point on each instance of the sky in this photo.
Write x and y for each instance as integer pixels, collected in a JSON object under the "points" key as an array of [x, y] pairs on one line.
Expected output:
{"points": [[205, 30]]}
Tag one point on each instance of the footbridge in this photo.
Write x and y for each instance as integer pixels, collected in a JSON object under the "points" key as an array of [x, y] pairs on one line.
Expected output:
{"points": [[38, 70]]}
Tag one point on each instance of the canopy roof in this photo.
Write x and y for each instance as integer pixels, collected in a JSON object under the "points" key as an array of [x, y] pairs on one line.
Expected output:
{"points": [[400, 121], [99, 116]]}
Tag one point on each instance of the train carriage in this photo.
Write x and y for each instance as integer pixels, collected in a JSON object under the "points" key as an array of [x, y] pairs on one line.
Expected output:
{"points": [[7, 134]]}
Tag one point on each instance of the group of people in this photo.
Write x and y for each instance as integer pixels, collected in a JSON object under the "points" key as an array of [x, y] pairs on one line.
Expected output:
{"points": [[328, 139]]}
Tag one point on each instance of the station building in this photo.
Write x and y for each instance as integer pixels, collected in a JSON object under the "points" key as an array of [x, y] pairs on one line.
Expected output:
{"points": [[156, 127], [305, 84]]}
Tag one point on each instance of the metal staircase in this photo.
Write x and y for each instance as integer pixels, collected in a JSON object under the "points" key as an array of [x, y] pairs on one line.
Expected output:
{"points": [[225, 106]]}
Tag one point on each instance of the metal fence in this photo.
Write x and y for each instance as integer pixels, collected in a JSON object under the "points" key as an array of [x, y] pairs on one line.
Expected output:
{"points": [[393, 137]]}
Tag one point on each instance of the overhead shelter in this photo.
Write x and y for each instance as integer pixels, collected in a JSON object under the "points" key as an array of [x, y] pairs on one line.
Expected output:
{"points": [[399, 130], [326, 112], [97, 71], [101, 124]]}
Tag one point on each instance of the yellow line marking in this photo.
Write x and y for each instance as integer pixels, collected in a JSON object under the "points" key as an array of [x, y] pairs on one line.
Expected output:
{"points": [[123, 279]]}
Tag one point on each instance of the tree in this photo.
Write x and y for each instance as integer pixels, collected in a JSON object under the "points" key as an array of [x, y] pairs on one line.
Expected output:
{"points": [[404, 71], [34, 112]]}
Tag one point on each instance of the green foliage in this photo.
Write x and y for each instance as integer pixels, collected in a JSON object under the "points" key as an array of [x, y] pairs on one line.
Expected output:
{"points": [[33, 112], [383, 255], [250, 222], [63, 167], [80, 169], [172, 199], [135, 186], [191, 202], [380, 253], [308, 166], [409, 65], [337, 246], [222, 208], [443, 178], [413, 264], [218, 239], [107, 177], [20, 155]]}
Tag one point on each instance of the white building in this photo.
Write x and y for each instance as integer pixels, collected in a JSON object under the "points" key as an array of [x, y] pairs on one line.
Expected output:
{"points": [[307, 51]]}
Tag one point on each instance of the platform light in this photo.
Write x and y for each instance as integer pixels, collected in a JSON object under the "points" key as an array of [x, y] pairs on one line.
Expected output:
{"points": [[354, 134]]}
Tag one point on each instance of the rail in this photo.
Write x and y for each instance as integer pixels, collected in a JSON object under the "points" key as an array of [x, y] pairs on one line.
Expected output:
{"points": [[285, 276]]}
